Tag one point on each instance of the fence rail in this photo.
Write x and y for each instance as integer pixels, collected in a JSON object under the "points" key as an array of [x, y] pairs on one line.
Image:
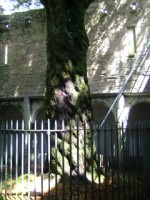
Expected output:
{"points": [[30, 161]]}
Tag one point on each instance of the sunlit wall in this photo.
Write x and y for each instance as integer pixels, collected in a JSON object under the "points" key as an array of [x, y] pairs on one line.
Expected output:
{"points": [[118, 56]]}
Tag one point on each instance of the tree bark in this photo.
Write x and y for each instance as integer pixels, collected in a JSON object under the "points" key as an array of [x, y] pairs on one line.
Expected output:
{"points": [[67, 90]]}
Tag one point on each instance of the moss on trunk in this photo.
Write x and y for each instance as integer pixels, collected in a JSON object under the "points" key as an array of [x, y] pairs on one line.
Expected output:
{"points": [[67, 91]]}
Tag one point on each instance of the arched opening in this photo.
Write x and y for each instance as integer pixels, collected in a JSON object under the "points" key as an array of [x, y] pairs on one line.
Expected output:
{"points": [[139, 112], [139, 137], [104, 139], [11, 113], [40, 117], [11, 140], [99, 113], [41, 139]]}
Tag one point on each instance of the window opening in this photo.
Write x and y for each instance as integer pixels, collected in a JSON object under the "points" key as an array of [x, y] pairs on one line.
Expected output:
{"points": [[6, 55], [131, 40]]}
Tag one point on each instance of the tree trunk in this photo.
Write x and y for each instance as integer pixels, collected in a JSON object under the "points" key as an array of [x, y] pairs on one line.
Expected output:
{"points": [[67, 91]]}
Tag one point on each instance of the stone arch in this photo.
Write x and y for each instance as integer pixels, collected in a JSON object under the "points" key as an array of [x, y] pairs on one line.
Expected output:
{"points": [[103, 140], [140, 111], [100, 110], [139, 140], [10, 112], [39, 115]]}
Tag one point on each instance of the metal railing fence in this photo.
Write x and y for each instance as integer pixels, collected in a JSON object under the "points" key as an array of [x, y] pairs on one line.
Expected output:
{"points": [[122, 156]]}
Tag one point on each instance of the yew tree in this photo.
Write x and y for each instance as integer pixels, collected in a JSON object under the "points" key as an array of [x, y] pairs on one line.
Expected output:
{"points": [[67, 92]]}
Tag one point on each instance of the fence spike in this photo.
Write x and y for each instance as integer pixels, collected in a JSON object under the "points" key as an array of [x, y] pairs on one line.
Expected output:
{"points": [[35, 125], [42, 125], [16, 124], [22, 124]]}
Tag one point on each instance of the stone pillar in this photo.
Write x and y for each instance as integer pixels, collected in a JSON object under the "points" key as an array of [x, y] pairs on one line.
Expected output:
{"points": [[26, 111], [123, 110]]}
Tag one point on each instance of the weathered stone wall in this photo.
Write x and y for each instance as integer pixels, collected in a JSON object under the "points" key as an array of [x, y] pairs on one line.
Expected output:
{"points": [[23, 49], [109, 62], [23, 54]]}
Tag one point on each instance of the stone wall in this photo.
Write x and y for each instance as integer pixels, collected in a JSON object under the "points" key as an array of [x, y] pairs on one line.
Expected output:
{"points": [[23, 49], [23, 54], [117, 35], [110, 57]]}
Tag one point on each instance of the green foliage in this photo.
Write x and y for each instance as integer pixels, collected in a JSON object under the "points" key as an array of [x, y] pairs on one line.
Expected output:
{"points": [[25, 3], [2, 197]]}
